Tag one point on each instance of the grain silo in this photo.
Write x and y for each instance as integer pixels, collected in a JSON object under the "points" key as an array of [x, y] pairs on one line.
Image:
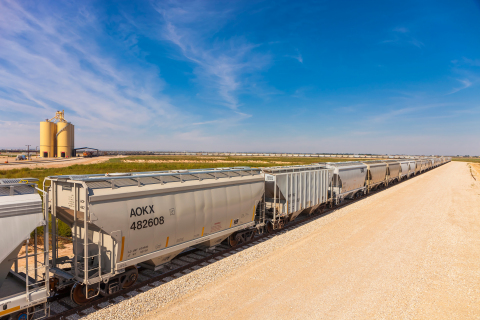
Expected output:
{"points": [[64, 140], [48, 130], [72, 139], [56, 137]]}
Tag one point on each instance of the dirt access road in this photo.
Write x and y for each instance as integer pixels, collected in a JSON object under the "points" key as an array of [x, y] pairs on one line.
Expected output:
{"points": [[409, 252], [50, 163]]}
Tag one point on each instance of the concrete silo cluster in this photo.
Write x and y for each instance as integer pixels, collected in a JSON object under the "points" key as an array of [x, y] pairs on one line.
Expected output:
{"points": [[56, 137]]}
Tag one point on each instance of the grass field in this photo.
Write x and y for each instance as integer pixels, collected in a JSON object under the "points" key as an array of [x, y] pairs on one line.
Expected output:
{"points": [[158, 163], [477, 160]]}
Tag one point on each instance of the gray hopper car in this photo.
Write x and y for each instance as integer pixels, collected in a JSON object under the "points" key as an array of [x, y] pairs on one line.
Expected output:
{"points": [[404, 169], [24, 290], [393, 171], [348, 180], [146, 218], [377, 174], [292, 190]]}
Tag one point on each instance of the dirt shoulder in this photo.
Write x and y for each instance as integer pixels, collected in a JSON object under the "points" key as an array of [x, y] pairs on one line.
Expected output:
{"points": [[476, 170], [51, 163], [411, 251]]}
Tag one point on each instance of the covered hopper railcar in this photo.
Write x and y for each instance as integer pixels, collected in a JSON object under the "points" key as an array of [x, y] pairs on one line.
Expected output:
{"points": [[406, 168], [393, 171], [348, 180], [24, 279], [292, 190], [377, 174], [147, 218]]}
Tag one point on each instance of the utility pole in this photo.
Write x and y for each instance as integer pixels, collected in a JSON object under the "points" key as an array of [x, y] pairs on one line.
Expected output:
{"points": [[28, 151]]}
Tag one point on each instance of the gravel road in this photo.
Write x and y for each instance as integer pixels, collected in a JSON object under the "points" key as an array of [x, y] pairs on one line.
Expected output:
{"points": [[409, 252], [50, 162]]}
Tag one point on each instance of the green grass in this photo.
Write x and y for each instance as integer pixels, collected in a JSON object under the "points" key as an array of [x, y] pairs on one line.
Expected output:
{"points": [[271, 160], [118, 165], [477, 160]]}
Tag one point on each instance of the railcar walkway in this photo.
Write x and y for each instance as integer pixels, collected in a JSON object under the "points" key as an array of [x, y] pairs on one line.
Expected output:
{"points": [[409, 252]]}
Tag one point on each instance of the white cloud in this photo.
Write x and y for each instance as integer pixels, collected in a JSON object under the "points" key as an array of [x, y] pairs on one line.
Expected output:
{"points": [[50, 62], [396, 112], [472, 62], [221, 65], [297, 56], [403, 36], [401, 29], [465, 84]]}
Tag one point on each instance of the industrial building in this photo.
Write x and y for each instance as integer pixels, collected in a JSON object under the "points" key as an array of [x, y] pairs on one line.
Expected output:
{"points": [[57, 137]]}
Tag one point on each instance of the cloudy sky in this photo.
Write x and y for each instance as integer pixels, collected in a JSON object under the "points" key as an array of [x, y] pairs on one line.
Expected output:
{"points": [[289, 76]]}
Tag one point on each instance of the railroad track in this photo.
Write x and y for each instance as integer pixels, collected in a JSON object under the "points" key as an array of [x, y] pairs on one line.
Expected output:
{"points": [[62, 308]]}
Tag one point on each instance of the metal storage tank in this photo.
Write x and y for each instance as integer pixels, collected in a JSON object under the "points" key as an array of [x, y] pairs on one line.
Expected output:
{"points": [[64, 140], [348, 179], [149, 218], [48, 130], [291, 190], [72, 139]]}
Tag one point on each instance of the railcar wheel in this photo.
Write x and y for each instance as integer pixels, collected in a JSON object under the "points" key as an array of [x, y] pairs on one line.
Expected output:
{"points": [[269, 227], [254, 232], [231, 241], [240, 238], [132, 277], [78, 293], [236, 239], [22, 315]]}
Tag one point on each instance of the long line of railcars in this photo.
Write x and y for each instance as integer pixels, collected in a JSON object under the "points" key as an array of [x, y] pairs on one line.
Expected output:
{"points": [[125, 220]]}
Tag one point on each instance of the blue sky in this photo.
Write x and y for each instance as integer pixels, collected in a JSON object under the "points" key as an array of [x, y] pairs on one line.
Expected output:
{"points": [[399, 77]]}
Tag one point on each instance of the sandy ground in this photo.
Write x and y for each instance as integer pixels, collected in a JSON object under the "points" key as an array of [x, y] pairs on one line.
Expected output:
{"points": [[204, 161], [50, 163], [410, 252], [476, 170], [67, 250]]}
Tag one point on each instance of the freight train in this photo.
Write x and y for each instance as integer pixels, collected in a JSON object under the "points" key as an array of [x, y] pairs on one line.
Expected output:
{"points": [[124, 220]]}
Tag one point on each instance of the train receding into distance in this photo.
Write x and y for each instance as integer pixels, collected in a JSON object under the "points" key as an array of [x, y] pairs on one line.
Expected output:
{"points": [[122, 221]]}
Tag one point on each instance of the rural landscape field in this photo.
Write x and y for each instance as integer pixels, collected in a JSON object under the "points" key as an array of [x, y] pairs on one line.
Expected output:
{"points": [[159, 163], [248, 159]]}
